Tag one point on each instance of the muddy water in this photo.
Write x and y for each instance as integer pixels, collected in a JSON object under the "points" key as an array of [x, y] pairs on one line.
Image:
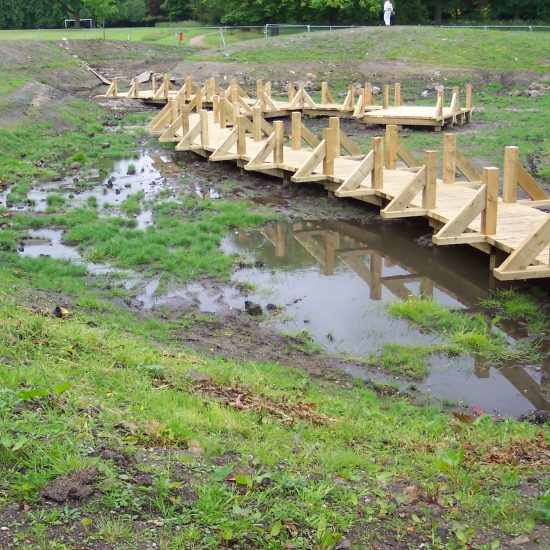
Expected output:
{"points": [[334, 279]]}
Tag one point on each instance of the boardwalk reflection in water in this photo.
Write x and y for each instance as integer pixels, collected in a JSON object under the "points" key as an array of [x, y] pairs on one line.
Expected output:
{"points": [[334, 277]]}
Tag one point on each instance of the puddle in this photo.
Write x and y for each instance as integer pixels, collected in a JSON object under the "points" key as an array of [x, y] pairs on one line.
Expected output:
{"points": [[49, 242], [111, 191], [335, 278]]}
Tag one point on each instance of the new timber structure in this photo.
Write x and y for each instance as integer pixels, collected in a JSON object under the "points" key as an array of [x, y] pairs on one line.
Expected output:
{"points": [[464, 210], [358, 103]]}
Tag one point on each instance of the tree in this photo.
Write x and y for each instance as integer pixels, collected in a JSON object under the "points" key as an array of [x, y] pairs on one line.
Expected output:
{"points": [[129, 11], [74, 8], [100, 10]]}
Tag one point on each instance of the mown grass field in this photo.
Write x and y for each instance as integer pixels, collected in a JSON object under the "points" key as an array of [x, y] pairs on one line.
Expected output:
{"points": [[114, 435]]}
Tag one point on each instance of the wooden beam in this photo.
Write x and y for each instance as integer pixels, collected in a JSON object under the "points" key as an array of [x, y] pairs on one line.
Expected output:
{"points": [[469, 96], [241, 135], [305, 171], [530, 186], [386, 97], [518, 264], [358, 176], [223, 151], [439, 104], [328, 162], [258, 161], [216, 108], [466, 167], [406, 155], [399, 206]]}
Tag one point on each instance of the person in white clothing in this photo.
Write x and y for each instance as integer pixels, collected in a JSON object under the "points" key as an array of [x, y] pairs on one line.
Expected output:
{"points": [[388, 12]]}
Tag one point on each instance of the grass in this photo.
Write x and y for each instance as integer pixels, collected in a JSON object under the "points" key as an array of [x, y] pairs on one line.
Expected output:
{"points": [[460, 48], [410, 360], [253, 479], [473, 335]]}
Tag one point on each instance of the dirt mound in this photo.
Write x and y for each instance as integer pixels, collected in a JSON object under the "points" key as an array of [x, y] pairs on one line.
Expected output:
{"points": [[73, 486], [35, 94]]}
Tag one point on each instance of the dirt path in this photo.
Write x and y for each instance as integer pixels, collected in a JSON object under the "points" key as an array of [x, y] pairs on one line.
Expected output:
{"points": [[199, 40]]}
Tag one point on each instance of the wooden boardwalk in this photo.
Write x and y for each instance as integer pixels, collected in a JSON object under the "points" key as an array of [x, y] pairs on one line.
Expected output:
{"points": [[463, 210], [359, 104]]}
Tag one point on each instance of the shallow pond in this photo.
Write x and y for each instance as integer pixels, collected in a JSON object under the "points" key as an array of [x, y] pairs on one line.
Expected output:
{"points": [[335, 278]]}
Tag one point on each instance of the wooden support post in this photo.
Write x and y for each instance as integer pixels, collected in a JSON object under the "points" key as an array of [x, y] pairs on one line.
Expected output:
{"points": [[386, 99], [136, 88], [489, 214], [378, 171], [204, 128], [449, 158], [440, 104], [235, 113], [391, 146], [260, 94], [278, 127], [469, 96], [328, 160], [184, 122], [334, 124], [367, 94], [429, 191], [241, 140], [296, 132], [397, 95], [216, 108], [115, 87], [351, 92], [511, 171], [154, 84], [268, 88], [257, 123]]}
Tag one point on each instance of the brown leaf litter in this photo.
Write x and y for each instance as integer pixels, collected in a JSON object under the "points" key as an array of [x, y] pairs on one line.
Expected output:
{"points": [[241, 398]]}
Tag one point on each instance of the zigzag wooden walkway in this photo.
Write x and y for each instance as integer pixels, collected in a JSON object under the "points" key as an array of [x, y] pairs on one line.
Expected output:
{"points": [[462, 211], [358, 104]]}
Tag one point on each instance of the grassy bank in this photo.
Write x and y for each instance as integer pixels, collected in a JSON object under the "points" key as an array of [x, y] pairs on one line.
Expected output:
{"points": [[250, 455]]}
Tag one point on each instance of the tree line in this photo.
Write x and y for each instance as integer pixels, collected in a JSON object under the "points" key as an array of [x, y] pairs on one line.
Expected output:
{"points": [[15, 14]]}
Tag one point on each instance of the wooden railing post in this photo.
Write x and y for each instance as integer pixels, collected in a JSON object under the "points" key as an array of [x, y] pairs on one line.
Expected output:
{"points": [[278, 127], [222, 111], [291, 91], [440, 104], [235, 113], [391, 146], [257, 123], [397, 95], [241, 139], [334, 124], [115, 87], [260, 94], [489, 214], [367, 94], [136, 88], [267, 88], [429, 191], [188, 87], [449, 158], [174, 111], [198, 98], [386, 97], [204, 128], [328, 161], [378, 171], [324, 95], [216, 108], [166, 84], [469, 96], [154, 85], [234, 91], [510, 179], [296, 132]]}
